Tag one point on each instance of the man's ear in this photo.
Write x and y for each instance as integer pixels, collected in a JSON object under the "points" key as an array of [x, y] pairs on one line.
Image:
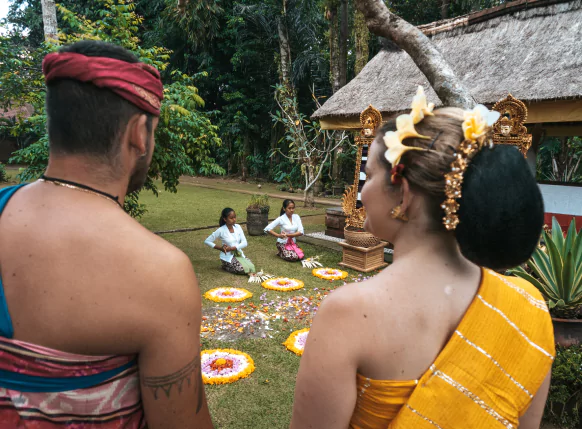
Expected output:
{"points": [[137, 134]]}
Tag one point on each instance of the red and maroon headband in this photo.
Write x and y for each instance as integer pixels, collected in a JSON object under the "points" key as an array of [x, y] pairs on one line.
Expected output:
{"points": [[138, 83]]}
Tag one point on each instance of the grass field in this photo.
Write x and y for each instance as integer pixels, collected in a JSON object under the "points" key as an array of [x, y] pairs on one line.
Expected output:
{"points": [[265, 399], [194, 207]]}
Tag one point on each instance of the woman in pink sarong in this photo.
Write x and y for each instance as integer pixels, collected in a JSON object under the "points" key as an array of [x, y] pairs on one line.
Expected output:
{"points": [[291, 227]]}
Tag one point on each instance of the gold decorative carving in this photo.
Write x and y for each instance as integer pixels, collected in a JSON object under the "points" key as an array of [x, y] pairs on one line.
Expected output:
{"points": [[370, 120], [510, 128]]}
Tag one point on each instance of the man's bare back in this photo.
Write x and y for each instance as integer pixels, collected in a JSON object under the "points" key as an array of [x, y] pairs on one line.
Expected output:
{"points": [[80, 276]]}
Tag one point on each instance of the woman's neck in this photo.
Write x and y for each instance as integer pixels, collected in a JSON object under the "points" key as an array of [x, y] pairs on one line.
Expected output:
{"points": [[417, 244]]}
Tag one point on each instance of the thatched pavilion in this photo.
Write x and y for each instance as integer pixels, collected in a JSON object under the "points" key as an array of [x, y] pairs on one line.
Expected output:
{"points": [[529, 48]]}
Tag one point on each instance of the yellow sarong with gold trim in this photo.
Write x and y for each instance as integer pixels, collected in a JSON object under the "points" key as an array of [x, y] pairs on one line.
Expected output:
{"points": [[485, 377]]}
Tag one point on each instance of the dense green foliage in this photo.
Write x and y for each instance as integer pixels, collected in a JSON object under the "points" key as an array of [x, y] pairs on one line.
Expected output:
{"points": [[231, 49], [185, 136], [3, 174], [235, 42], [560, 160], [564, 406]]}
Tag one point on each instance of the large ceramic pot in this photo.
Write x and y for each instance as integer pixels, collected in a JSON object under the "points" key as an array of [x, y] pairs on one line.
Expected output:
{"points": [[257, 221], [567, 332]]}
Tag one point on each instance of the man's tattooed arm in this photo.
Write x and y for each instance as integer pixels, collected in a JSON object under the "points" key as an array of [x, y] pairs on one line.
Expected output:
{"points": [[178, 381]]}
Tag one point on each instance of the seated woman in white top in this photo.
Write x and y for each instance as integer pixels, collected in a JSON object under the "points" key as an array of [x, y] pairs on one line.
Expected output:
{"points": [[232, 241], [291, 227]]}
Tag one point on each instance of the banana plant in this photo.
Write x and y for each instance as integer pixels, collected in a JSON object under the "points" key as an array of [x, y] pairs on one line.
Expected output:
{"points": [[556, 270]]}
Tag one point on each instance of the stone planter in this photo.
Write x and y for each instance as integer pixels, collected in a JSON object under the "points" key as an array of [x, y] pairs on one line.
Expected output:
{"points": [[567, 332], [335, 222], [257, 221]]}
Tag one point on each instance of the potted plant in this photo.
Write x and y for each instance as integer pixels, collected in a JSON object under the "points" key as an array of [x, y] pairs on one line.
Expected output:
{"points": [[258, 214], [556, 270]]}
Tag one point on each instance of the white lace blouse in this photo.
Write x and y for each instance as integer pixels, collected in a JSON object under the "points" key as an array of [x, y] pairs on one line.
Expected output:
{"points": [[236, 239], [287, 226]]}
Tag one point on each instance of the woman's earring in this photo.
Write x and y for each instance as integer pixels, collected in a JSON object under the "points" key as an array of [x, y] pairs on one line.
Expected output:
{"points": [[398, 214]]}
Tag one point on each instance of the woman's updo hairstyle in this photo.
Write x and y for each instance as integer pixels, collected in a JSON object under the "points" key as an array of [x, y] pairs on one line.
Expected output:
{"points": [[502, 212]]}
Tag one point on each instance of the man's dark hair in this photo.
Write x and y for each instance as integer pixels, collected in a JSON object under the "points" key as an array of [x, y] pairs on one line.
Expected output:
{"points": [[84, 119]]}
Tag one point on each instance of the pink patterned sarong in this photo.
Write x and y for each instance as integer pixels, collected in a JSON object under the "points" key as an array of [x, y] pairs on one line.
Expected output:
{"points": [[293, 247], [113, 403]]}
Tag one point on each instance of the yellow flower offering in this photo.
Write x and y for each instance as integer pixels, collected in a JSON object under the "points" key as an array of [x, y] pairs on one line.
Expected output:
{"points": [[223, 366], [227, 294], [329, 273], [296, 341], [283, 284]]}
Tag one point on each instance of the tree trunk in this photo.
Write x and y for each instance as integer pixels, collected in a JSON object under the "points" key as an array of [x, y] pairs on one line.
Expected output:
{"points": [[334, 48], [284, 48], [343, 44], [308, 195], [362, 38], [244, 161], [335, 55], [445, 8], [49, 19], [426, 56]]}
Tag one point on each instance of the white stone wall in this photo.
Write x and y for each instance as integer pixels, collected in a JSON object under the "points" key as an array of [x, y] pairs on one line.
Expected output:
{"points": [[562, 199]]}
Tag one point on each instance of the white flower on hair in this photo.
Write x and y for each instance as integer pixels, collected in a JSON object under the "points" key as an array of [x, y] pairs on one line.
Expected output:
{"points": [[477, 122], [420, 108], [396, 149]]}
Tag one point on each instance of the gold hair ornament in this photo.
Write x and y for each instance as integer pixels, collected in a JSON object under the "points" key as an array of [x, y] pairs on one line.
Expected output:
{"points": [[476, 126], [405, 128]]}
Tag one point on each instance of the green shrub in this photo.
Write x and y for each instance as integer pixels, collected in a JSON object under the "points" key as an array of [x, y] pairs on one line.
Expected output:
{"points": [[260, 202], [3, 174], [564, 405]]}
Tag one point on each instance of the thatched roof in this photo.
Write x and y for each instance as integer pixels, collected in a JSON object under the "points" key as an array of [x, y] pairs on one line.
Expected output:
{"points": [[531, 49]]}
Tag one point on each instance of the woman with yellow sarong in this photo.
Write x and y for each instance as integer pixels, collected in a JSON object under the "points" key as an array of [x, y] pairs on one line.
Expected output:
{"points": [[438, 339]]}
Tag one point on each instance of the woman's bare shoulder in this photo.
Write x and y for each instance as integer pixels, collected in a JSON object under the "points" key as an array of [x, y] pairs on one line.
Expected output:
{"points": [[351, 299]]}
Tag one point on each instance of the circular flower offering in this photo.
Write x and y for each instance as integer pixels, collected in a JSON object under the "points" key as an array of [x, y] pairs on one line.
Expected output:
{"points": [[296, 341], [225, 366], [329, 273], [283, 284], [227, 294]]}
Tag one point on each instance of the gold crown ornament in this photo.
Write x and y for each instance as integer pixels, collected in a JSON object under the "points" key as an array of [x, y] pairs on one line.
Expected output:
{"points": [[477, 124]]}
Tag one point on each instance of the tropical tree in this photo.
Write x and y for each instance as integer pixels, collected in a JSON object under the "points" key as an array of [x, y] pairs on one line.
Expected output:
{"points": [[49, 18], [429, 60], [309, 145], [185, 135]]}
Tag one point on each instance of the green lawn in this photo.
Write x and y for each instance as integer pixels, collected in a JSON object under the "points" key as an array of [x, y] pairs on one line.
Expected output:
{"points": [[264, 400], [194, 207]]}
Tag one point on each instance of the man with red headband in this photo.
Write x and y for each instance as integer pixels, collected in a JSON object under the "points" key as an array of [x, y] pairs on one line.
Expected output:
{"points": [[99, 318]]}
